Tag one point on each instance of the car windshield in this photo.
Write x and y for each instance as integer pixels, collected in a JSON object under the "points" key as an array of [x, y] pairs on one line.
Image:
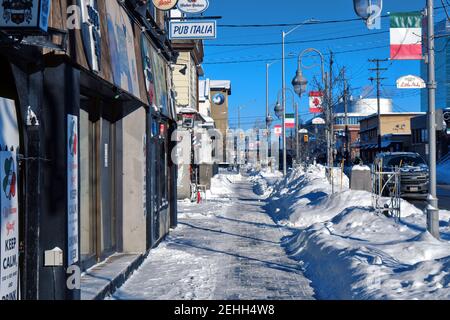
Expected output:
{"points": [[403, 161]]}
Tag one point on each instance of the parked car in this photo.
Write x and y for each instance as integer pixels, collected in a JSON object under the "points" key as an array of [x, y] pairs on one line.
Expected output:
{"points": [[414, 172]]}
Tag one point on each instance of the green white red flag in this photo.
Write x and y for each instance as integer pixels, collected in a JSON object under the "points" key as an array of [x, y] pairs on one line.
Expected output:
{"points": [[406, 36], [290, 121]]}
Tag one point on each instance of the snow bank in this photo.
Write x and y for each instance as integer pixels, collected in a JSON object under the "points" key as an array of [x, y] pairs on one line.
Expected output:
{"points": [[351, 252], [362, 255], [222, 185], [302, 198], [263, 180]]}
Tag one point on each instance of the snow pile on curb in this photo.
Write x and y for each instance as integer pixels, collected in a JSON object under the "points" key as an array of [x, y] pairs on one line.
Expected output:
{"points": [[350, 252], [222, 185], [302, 198], [263, 181], [443, 173]]}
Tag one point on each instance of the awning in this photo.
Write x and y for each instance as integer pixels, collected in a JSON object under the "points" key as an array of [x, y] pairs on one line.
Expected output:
{"points": [[184, 110], [386, 144]]}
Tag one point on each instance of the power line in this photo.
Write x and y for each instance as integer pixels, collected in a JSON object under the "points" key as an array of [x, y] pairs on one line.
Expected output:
{"points": [[445, 8], [290, 58], [289, 24], [270, 25], [294, 42]]}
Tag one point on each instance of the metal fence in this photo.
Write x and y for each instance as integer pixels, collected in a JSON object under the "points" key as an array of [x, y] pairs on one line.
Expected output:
{"points": [[386, 191]]}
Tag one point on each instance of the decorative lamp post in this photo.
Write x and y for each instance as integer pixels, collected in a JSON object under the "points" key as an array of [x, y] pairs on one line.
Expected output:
{"points": [[368, 10]]}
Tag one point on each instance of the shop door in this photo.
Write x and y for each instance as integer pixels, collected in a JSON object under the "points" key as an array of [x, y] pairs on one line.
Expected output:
{"points": [[163, 185], [154, 181], [97, 212], [107, 215]]}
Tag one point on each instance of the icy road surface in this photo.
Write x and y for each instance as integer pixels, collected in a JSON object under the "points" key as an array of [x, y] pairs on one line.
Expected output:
{"points": [[227, 248]]}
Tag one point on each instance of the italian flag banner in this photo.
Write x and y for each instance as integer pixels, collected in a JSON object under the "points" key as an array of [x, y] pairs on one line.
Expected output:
{"points": [[406, 36], [290, 120]]}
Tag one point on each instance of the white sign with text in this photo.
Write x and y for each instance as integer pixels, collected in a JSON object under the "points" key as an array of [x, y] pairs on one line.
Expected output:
{"points": [[9, 237]]}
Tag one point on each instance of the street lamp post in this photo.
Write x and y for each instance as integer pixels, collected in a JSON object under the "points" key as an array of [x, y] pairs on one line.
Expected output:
{"points": [[432, 210], [283, 74], [300, 83], [280, 112], [362, 9]]}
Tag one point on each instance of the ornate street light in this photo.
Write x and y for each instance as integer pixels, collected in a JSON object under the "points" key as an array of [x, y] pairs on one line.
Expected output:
{"points": [[278, 110], [299, 82], [368, 10]]}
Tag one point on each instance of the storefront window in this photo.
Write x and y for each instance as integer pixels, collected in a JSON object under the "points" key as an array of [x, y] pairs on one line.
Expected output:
{"points": [[87, 189]]}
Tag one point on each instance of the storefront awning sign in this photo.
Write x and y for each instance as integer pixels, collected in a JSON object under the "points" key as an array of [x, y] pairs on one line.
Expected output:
{"points": [[27, 16], [411, 82], [193, 30], [190, 6]]}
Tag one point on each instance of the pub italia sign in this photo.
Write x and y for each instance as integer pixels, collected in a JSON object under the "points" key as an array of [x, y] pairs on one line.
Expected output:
{"points": [[24, 15]]}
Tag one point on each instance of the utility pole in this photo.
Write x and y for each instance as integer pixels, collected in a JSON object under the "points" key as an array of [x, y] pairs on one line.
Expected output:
{"points": [[297, 128], [330, 123], [347, 140], [330, 112], [239, 117], [283, 81], [433, 209], [378, 79]]}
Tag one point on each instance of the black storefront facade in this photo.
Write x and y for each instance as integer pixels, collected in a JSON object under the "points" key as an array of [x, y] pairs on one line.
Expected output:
{"points": [[116, 128]]}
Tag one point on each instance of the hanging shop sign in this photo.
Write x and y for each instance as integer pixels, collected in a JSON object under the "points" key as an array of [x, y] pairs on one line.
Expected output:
{"points": [[315, 102], [72, 189], [9, 223], [411, 82], [193, 30], [29, 15], [165, 5], [193, 6], [219, 99], [91, 32], [318, 121]]}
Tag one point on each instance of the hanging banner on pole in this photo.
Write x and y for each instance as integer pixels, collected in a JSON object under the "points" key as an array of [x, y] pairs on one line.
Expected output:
{"points": [[315, 102], [290, 120], [278, 129], [72, 189], [9, 236], [406, 36]]}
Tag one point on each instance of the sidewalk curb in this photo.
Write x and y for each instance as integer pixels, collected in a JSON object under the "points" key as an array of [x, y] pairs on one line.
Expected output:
{"points": [[109, 286]]}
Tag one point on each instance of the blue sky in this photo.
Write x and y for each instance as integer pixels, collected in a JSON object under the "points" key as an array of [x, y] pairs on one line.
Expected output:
{"points": [[248, 78]]}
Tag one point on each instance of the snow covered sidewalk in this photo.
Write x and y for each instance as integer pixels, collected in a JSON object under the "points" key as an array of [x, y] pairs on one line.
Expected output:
{"points": [[226, 248]]}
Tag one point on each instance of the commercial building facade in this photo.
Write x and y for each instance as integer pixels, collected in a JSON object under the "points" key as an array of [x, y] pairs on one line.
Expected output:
{"points": [[347, 124], [220, 91], [395, 132], [94, 107]]}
